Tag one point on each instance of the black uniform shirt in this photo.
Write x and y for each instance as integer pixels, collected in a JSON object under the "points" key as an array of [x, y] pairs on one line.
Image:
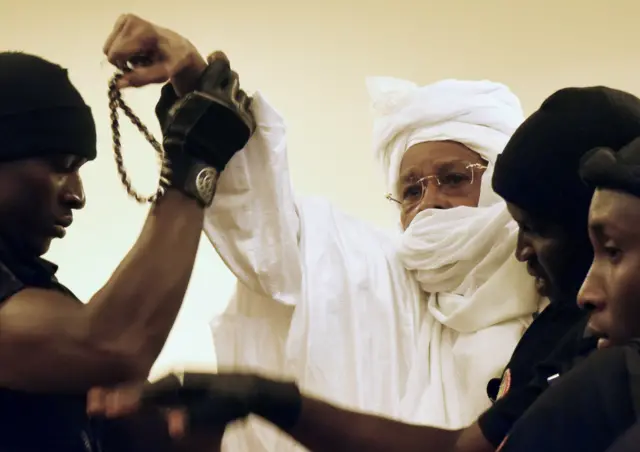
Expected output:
{"points": [[551, 344], [39, 422], [586, 409]]}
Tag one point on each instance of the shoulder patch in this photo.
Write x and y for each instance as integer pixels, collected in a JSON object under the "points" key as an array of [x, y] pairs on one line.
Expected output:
{"points": [[505, 384]]}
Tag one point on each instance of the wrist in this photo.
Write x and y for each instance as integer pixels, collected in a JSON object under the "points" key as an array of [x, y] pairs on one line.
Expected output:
{"points": [[180, 197], [191, 176], [278, 402]]}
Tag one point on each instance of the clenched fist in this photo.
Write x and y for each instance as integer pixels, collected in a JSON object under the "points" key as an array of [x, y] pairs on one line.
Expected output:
{"points": [[148, 53]]}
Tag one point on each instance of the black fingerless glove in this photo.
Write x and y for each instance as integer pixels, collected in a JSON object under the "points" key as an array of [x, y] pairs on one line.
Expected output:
{"points": [[278, 402], [211, 123], [212, 399], [204, 129]]}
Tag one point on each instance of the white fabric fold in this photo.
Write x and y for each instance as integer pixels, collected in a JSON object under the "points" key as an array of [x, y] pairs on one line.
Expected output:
{"points": [[458, 249]]}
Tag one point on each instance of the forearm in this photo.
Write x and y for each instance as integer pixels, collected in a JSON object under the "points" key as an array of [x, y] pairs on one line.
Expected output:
{"points": [[137, 307], [218, 399], [323, 427]]}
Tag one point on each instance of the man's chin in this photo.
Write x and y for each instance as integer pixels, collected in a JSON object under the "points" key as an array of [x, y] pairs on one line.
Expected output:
{"points": [[40, 247], [29, 245], [542, 287]]}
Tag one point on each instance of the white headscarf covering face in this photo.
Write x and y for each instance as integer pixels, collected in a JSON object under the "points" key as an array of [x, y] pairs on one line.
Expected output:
{"points": [[445, 247]]}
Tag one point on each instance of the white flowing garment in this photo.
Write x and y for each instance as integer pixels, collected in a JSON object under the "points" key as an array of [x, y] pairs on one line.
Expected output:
{"points": [[350, 312]]}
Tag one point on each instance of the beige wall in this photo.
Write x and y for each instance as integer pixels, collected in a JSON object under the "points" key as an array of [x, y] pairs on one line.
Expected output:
{"points": [[310, 58]]}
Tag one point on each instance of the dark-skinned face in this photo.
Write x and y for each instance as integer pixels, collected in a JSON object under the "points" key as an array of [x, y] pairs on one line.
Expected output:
{"points": [[610, 290], [37, 199]]}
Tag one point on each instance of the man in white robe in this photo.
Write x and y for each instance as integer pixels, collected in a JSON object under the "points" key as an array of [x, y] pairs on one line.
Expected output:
{"points": [[411, 327]]}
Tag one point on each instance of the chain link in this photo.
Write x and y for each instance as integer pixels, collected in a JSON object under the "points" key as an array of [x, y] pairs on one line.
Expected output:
{"points": [[117, 103]]}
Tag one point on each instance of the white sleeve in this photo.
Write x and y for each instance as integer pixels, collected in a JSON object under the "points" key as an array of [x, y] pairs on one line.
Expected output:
{"points": [[253, 222]]}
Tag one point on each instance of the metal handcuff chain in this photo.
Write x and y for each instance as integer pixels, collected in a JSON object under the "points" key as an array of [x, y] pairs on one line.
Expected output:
{"points": [[116, 103]]}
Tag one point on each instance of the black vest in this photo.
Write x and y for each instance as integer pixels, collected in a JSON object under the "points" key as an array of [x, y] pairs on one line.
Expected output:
{"points": [[36, 422]]}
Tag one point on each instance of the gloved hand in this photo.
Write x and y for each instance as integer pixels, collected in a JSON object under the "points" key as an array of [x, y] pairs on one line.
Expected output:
{"points": [[218, 399], [211, 123], [204, 129]]}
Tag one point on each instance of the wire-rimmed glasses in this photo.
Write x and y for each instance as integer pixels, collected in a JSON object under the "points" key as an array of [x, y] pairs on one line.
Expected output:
{"points": [[452, 179]]}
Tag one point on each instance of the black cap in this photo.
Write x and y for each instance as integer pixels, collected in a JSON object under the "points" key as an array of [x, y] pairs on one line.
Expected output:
{"points": [[41, 112], [539, 168]]}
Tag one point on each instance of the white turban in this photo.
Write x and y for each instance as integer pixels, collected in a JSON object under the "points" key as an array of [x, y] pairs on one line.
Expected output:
{"points": [[482, 115]]}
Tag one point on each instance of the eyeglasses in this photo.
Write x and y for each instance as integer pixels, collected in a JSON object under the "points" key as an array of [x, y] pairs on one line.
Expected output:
{"points": [[454, 179]]}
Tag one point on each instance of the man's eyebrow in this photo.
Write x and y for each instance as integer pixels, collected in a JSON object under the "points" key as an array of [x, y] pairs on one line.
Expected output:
{"points": [[450, 161], [409, 176], [597, 228], [603, 230]]}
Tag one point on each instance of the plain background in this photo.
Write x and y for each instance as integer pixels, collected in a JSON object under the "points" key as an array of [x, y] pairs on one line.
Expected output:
{"points": [[310, 60]]}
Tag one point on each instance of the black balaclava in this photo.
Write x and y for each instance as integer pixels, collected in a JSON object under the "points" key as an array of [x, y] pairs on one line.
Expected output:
{"points": [[538, 170], [41, 112]]}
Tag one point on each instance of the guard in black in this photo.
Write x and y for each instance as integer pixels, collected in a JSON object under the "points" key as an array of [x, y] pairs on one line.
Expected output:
{"points": [[598, 400], [53, 348]]}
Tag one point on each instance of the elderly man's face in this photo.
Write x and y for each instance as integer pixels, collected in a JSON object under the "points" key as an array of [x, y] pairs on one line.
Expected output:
{"points": [[611, 288], [438, 175]]}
